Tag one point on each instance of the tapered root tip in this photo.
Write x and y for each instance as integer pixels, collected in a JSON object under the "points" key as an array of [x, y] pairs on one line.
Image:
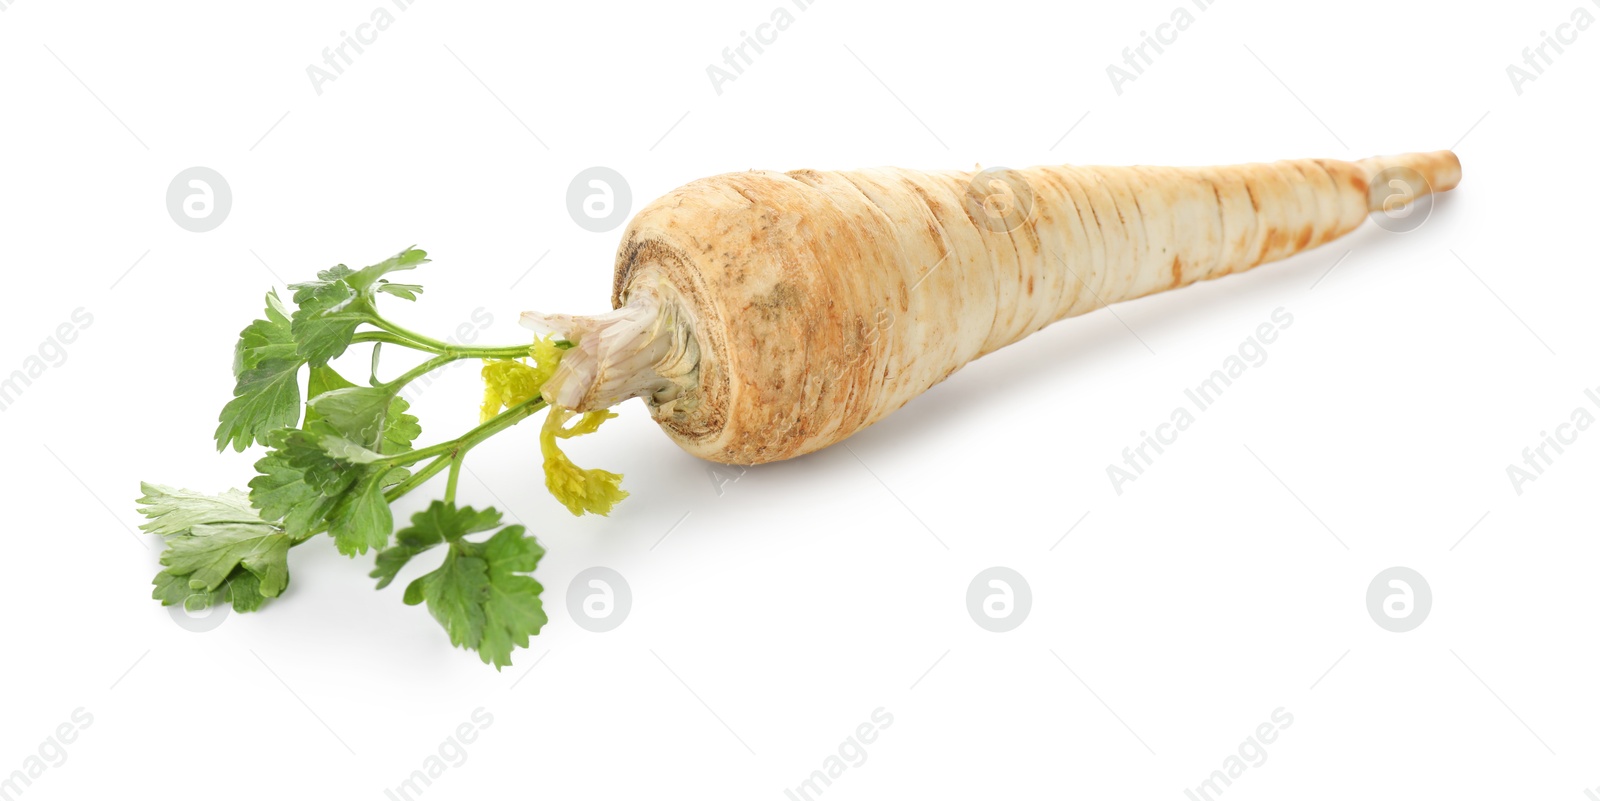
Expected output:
{"points": [[1409, 175]]}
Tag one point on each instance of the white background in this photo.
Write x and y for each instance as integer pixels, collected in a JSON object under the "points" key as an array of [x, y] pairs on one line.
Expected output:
{"points": [[1171, 621]]}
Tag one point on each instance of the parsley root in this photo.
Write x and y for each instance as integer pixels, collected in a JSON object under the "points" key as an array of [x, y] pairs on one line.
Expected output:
{"points": [[764, 315]]}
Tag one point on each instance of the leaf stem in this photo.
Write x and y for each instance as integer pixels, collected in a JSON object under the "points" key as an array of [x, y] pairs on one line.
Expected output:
{"points": [[416, 479], [456, 458], [495, 425], [420, 370], [464, 351], [438, 346], [407, 333], [385, 337]]}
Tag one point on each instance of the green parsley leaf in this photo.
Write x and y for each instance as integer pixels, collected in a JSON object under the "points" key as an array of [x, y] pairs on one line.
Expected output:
{"points": [[266, 364], [299, 482], [174, 590], [392, 560], [331, 307], [455, 593], [366, 280], [242, 589], [361, 520], [399, 428], [267, 397], [283, 494], [209, 553], [371, 416], [175, 511], [328, 314], [440, 522], [344, 450], [321, 379], [480, 593], [407, 291], [359, 413], [264, 339], [513, 611], [324, 473], [312, 476], [218, 549]]}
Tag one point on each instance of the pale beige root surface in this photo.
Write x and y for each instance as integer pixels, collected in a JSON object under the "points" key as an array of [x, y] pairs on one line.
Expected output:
{"points": [[820, 302], [1410, 175]]}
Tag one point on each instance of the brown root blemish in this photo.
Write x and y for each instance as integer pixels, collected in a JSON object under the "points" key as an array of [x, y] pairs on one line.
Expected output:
{"points": [[1272, 243]]}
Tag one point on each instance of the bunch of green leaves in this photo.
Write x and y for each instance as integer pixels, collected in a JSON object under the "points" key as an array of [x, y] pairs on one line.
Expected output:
{"points": [[339, 453]]}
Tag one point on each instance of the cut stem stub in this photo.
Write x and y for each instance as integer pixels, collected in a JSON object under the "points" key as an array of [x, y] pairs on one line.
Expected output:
{"points": [[644, 349]]}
